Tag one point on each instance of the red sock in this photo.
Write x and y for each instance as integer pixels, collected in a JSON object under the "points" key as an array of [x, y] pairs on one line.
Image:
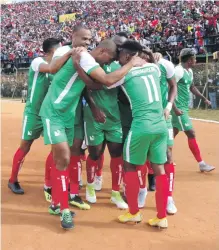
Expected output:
{"points": [[91, 166], [49, 163], [17, 164], [150, 170], [142, 171], [100, 166], [161, 195], [170, 172], [60, 188], [116, 170], [55, 187], [131, 189], [74, 174], [195, 149]]}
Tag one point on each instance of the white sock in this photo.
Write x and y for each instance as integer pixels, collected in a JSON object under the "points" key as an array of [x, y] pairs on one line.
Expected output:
{"points": [[46, 187], [72, 196], [201, 162], [143, 190], [170, 198]]}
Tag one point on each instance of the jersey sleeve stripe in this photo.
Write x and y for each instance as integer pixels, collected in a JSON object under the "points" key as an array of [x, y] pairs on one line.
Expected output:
{"points": [[34, 86], [127, 150], [24, 126], [66, 89], [92, 69], [48, 130]]}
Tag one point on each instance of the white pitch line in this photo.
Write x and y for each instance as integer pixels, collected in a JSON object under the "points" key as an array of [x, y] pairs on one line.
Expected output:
{"points": [[203, 120]]}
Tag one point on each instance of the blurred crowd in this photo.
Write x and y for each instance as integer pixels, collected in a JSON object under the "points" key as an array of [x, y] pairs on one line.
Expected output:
{"points": [[160, 25]]}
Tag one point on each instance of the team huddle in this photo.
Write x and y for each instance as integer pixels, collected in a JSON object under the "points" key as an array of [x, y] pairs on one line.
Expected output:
{"points": [[119, 95]]}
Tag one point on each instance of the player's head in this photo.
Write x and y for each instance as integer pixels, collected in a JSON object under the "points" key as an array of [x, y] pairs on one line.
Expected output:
{"points": [[128, 50], [105, 52], [188, 56], [120, 38], [147, 55], [157, 56], [81, 36], [50, 45]]}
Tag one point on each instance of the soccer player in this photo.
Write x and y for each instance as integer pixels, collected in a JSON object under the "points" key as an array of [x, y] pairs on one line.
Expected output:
{"points": [[96, 134], [126, 121], [168, 92], [58, 112], [147, 136], [38, 84], [80, 37], [180, 119]]}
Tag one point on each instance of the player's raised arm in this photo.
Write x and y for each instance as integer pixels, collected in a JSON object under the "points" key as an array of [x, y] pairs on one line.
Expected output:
{"points": [[90, 83], [105, 53], [116, 76]]}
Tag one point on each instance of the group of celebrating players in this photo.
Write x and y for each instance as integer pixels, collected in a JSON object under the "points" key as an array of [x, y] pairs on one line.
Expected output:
{"points": [[121, 95]]}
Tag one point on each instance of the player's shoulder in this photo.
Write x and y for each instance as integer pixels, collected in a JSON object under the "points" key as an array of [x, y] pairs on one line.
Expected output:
{"points": [[166, 63], [36, 63], [61, 51]]}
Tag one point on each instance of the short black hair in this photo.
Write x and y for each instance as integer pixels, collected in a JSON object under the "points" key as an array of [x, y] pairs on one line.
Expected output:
{"points": [[78, 27], [49, 43], [131, 47], [122, 34], [186, 54]]}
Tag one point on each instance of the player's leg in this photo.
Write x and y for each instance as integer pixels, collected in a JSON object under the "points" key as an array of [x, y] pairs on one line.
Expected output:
{"points": [[132, 159], [60, 138], [116, 163], [31, 130], [186, 126], [157, 157], [48, 177], [98, 181], [113, 135], [170, 170], [151, 177], [193, 145], [94, 138], [75, 169], [142, 172]]}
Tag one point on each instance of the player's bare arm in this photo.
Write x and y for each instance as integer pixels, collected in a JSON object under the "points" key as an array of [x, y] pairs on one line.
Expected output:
{"points": [[113, 77], [56, 63], [196, 92], [91, 84], [171, 96], [98, 114], [177, 111]]}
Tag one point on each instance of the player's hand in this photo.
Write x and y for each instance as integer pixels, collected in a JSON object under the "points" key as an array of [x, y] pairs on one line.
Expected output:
{"points": [[207, 102], [76, 54], [166, 113], [137, 61], [98, 115], [178, 112], [157, 56]]}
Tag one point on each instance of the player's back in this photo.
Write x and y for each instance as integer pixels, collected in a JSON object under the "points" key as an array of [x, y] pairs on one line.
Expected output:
{"points": [[38, 84], [142, 87]]}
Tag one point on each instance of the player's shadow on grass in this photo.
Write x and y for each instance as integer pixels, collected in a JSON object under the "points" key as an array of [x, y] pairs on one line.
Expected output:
{"points": [[23, 217], [196, 176], [33, 195]]}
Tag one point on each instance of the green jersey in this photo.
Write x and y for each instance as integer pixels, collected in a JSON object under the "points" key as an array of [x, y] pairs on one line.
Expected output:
{"points": [[184, 79], [38, 84], [106, 99], [142, 87], [66, 88], [167, 72]]}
